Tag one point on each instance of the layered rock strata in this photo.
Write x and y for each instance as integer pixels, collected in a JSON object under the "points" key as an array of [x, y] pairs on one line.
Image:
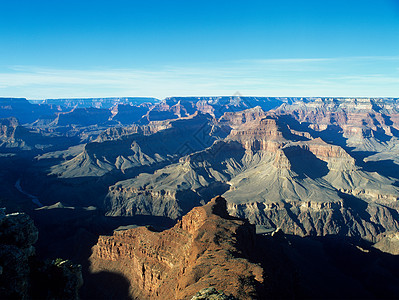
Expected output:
{"points": [[206, 248]]}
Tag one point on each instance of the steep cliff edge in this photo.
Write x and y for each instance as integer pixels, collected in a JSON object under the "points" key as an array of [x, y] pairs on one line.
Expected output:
{"points": [[206, 248]]}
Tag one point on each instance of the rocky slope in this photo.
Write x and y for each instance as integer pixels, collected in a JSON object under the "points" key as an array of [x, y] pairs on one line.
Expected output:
{"points": [[315, 167], [140, 147], [292, 267], [273, 175], [14, 138], [10, 130], [206, 248], [309, 165], [366, 124], [129, 114], [82, 117]]}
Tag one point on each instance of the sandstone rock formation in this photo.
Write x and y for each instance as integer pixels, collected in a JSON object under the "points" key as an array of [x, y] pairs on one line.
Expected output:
{"points": [[366, 124], [206, 248], [309, 166], [388, 242], [273, 175]]}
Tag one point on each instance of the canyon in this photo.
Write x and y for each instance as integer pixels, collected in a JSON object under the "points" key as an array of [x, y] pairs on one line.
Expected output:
{"points": [[307, 169]]}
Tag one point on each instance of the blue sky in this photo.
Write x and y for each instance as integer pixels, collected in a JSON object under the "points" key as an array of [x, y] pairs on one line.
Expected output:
{"points": [[52, 49]]}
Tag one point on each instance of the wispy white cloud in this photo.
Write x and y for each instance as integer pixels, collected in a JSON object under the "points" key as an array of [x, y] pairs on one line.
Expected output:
{"points": [[369, 76], [370, 79]]}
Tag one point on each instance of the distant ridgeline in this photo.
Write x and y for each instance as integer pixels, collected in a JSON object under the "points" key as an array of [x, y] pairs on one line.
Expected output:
{"points": [[96, 102], [152, 109], [146, 108]]}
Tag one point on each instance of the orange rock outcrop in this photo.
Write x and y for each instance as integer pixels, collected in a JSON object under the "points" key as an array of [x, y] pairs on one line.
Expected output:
{"points": [[207, 248]]}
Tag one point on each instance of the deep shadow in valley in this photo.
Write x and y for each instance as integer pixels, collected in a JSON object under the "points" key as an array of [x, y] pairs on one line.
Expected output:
{"points": [[358, 208], [305, 163], [386, 168], [77, 191], [329, 267], [106, 285]]}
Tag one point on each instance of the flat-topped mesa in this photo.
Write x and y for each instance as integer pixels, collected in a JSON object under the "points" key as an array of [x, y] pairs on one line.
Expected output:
{"points": [[205, 248], [267, 133], [324, 150], [203, 107], [82, 117], [128, 114], [245, 116], [347, 113], [261, 135], [264, 128], [313, 152], [336, 104]]}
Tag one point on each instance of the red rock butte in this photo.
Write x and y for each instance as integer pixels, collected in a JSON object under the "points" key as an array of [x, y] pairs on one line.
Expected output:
{"points": [[207, 248]]}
